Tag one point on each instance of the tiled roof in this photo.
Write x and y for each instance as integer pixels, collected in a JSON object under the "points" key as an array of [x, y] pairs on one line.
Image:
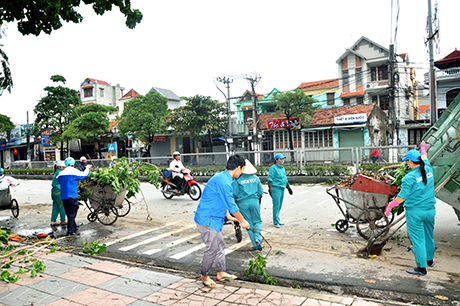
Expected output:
{"points": [[259, 97], [112, 125], [326, 116], [319, 84], [352, 94], [99, 81], [246, 107], [423, 108], [131, 94], [451, 60], [167, 93]]}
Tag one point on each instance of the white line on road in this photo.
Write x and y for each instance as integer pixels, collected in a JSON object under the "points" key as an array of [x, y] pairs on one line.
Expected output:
{"points": [[130, 247], [139, 233], [171, 244], [189, 251], [236, 246]]}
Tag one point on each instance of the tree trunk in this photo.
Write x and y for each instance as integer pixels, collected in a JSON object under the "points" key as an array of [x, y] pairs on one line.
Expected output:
{"points": [[99, 149]]}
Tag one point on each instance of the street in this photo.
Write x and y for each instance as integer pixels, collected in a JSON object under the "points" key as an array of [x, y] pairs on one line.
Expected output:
{"points": [[307, 251]]}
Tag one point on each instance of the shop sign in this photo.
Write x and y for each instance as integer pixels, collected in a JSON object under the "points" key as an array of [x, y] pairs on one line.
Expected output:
{"points": [[280, 123], [159, 138], [349, 119], [45, 141]]}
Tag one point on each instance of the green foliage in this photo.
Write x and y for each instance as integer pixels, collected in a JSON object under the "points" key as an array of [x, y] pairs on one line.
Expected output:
{"points": [[399, 174], [6, 81], [94, 249], [56, 110], [5, 123], [5, 232], [200, 115], [257, 266], [29, 171], [143, 117], [119, 177], [34, 17]]}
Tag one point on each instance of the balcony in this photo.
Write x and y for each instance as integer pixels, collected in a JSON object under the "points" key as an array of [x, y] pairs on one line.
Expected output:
{"points": [[444, 74]]}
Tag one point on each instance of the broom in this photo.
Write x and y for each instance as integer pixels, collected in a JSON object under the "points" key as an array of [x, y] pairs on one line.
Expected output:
{"points": [[372, 249]]}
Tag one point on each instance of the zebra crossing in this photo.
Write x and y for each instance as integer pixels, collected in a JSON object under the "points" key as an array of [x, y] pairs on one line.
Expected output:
{"points": [[162, 243]]}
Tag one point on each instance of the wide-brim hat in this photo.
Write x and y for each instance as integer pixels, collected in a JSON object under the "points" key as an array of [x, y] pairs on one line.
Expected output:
{"points": [[249, 168]]}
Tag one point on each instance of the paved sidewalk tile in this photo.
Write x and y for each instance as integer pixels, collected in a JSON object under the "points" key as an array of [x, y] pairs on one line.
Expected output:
{"points": [[87, 277], [195, 300], [140, 303], [45, 255], [63, 302], [55, 268], [166, 296], [26, 296], [112, 267], [77, 261], [153, 278], [99, 297], [26, 279], [248, 296], [363, 302], [58, 286], [276, 298], [4, 287], [129, 287]]}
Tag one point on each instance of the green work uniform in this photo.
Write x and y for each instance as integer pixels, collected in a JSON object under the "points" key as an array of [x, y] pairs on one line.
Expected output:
{"points": [[277, 175], [58, 207], [248, 189], [420, 212]]}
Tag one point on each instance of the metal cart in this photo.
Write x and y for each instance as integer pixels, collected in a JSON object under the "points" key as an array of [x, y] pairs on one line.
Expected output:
{"points": [[363, 204], [106, 206], [8, 202]]}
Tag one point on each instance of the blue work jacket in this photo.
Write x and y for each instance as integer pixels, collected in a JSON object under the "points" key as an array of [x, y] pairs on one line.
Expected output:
{"points": [[277, 175]]}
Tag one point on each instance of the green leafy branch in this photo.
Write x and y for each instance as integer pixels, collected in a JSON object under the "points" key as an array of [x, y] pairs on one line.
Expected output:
{"points": [[257, 266], [94, 249]]}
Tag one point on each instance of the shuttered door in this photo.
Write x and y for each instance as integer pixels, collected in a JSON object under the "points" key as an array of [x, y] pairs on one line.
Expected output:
{"points": [[350, 138]]}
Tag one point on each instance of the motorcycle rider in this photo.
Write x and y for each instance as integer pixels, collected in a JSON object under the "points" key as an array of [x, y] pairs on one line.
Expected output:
{"points": [[177, 177]]}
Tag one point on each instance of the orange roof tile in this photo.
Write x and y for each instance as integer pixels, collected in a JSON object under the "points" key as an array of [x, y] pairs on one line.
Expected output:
{"points": [[326, 116], [319, 84], [132, 93], [449, 61], [423, 108], [112, 125], [99, 81], [246, 107], [352, 94]]}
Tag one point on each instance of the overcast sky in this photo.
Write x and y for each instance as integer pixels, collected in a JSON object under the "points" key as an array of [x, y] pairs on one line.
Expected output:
{"points": [[182, 45]]}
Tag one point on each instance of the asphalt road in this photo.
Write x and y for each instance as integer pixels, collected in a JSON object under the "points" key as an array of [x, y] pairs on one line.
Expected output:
{"points": [[307, 251]]}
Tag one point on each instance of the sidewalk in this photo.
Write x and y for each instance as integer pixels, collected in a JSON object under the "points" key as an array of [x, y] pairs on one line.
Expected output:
{"points": [[81, 280]]}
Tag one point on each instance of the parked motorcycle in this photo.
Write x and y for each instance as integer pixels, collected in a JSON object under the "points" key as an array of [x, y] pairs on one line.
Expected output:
{"points": [[190, 187]]}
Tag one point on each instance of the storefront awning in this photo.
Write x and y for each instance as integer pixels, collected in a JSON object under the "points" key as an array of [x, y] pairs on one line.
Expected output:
{"points": [[319, 128], [348, 127]]}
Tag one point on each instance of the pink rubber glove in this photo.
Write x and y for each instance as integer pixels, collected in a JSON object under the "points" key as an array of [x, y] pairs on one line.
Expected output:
{"points": [[392, 205], [423, 146]]}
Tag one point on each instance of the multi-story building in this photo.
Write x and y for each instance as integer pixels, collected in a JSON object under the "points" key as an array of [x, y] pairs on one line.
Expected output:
{"points": [[100, 92], [447, 80]]}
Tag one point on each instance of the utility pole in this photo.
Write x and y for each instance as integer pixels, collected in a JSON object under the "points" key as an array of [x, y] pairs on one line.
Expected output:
{"points": [[433, 107], [391, 96], [227, 81], [28, 137], [255, 137]]}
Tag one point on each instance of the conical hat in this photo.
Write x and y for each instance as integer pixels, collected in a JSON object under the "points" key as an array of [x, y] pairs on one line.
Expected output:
{"points": [[249, 168]]}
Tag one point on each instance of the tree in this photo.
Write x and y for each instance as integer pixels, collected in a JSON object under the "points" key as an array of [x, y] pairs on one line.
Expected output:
{"points": [[5, 125], [295, 104], [143, 117], [91, 124], [56, 110], [200, 115], [34, 17]]}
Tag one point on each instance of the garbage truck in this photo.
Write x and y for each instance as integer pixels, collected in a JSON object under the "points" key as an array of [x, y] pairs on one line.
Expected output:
{"points": [[443, 140]]}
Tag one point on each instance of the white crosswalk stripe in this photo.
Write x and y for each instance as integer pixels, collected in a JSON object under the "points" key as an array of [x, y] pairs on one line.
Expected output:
{"points": [[130, 247], [189, 251], [171, 244], [139, 234]]}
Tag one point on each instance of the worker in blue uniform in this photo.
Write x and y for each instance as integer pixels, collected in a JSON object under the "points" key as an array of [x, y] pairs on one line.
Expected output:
{"points": [[277, 182], [68, 178], [216, 203], [418, 194], [248, 191]]}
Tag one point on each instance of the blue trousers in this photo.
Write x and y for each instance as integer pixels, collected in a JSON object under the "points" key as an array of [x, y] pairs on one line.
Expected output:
{"points": [[277, 199], [420, 226], [250, 210], [71, 209], [58, 207]]}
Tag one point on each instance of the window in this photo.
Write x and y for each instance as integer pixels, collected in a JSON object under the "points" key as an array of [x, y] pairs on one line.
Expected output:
{"points": [[330, 99], [345, 78], [88, 92], [101, 92], [319, 139], [375, 99], [383, 72], [384, 102], [415, 136], [346, 102], [359, 76], [373, 74], [360, 100]]}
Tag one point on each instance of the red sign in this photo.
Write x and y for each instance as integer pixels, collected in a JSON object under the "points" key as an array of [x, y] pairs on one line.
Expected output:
{"points": [[279, 123], [159, 138]]}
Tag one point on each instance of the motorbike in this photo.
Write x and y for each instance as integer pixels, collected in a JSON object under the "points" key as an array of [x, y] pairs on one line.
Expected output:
{"points": [[190, 187]]}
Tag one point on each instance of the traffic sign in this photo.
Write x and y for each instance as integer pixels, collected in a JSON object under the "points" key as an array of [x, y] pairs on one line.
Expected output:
{"points": [[111, 147]]}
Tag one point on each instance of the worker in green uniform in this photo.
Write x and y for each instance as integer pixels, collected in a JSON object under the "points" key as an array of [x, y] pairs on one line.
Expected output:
{"points": [[418, 194], [248, 191], [277, 182]]}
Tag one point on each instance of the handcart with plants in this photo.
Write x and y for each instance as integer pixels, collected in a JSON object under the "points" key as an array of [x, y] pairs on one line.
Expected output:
{"points": [[106, 191], [363, 203]]}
